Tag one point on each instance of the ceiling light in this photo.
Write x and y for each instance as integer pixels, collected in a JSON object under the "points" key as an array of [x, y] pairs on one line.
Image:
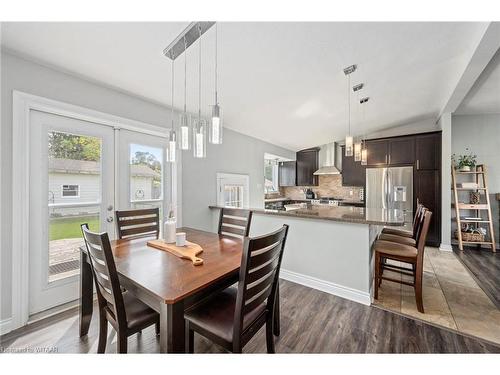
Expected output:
{"points": [[172, 143], [348, 138], [200, 124], [215, 133], [185, 118]]}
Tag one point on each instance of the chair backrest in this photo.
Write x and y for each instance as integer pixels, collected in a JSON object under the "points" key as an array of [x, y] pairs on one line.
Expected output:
{"points": [[417, 220], [235, 222], [138, 223], [259, 273], [422, 236], [103, 267]]}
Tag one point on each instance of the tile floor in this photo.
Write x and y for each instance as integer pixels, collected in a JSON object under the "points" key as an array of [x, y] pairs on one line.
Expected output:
{"points": [[452, 298]]}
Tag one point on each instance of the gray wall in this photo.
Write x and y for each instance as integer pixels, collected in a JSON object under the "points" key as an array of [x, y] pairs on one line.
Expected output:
{"points": [[481, 134], [238, 154], [23, 75]]}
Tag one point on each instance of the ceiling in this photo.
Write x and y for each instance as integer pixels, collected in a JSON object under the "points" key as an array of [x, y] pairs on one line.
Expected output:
{"points": [[484, 96], [280, 82]]}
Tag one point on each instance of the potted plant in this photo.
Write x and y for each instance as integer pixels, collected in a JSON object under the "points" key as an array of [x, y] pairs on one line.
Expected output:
{"points": [[465, 162]]}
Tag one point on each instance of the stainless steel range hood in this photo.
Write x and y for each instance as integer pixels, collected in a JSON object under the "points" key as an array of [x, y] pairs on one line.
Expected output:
{"points": [[327, 155]]}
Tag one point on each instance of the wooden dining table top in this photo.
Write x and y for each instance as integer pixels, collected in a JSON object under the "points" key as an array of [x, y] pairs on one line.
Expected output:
{"points": [[171, 278]]}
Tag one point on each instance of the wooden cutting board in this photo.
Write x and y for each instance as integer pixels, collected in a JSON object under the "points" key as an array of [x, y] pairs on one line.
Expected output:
{"points": [[190, 251]]}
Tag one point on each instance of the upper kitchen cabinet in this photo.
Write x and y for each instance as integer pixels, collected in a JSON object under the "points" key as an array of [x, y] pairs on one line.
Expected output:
{"points": [[428, 151], [353, 173], [377, 153], [287, 173], [401, 151], [307, 164]]}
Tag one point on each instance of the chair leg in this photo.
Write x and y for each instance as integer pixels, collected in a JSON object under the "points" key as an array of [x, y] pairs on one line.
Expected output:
{"points": [[122, 341], [189, 339], [269, 334], [103, 332], [157, 328], [377, 274], [418, 290], [383, 261]]}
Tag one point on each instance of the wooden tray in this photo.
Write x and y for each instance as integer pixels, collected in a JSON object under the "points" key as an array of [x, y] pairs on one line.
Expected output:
{"points": [[190, 251]]}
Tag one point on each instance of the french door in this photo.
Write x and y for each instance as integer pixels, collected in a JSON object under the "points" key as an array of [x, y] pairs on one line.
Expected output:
{"points": [[81, 172], [71, 182]]}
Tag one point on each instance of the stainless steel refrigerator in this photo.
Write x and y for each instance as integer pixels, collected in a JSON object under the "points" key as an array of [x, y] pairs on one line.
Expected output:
{"points": [[391, 188]]}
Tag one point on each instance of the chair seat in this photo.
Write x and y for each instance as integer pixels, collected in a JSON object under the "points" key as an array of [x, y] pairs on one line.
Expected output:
{"points": [[216, 315], [394, 249], [138, 313], [398, 232], [398, 239]]}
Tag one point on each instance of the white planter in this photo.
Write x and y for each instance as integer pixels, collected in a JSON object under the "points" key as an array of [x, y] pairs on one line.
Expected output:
{"points": [[465, 168]]}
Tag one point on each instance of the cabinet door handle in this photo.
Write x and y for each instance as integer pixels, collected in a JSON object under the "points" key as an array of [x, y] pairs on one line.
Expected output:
{"points": [[418, 164], [385, 158], [389, 158]]}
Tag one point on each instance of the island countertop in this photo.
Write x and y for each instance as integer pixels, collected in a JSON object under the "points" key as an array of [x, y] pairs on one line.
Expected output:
{"points": [[348, 214]]}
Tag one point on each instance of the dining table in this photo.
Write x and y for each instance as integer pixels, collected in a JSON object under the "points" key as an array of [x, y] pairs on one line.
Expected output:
{"points": [[167, 283]]}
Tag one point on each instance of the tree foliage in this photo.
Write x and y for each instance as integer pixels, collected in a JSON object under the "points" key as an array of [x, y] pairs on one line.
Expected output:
{"points": [[146, 158], [75, 147]]}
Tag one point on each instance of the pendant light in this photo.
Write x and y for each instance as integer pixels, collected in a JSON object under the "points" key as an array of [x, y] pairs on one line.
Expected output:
{"points": [[200, 124], [172, 143], [364, 150], [357, 144], [215, 133], [348, 138], [185, 123]]}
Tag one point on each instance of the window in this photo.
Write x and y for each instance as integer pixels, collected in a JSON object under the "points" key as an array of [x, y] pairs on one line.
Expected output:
{"points": [[71, 191], [271, 176], [233, 190]]}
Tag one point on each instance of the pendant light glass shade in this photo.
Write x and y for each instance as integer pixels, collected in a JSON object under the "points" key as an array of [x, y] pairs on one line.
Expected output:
{"points": [[348, 145], [172, 147], [215, 134], [364, 155], [199, 137], [184, 131], [357, 151]]}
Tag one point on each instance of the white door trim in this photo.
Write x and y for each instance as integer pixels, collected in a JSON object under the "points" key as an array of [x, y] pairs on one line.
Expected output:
{"points": [[23, 103]]}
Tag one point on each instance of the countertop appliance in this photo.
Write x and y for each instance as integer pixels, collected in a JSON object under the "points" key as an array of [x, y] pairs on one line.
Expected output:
{"points": [[391, 188], [326, 201], [310, 194]]}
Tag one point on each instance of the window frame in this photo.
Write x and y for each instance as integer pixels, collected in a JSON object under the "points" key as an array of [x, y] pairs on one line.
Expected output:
{"points": [[275, 176]]}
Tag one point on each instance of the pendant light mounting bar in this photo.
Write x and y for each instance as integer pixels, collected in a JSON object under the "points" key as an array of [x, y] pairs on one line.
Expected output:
{"points": [[187, 37], [358, 87], [350, 69], [363, 100]]}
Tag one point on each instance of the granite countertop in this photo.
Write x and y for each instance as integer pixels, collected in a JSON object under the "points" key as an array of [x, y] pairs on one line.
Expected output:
{"points": [[348, 214]]}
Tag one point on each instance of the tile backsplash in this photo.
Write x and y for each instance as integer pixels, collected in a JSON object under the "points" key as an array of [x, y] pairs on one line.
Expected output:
{"points": [[329, 186]]}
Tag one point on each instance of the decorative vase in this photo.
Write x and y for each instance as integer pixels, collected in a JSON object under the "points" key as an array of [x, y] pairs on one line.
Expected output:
{"points": [[465, 168], [169, 229], [474, 197]]}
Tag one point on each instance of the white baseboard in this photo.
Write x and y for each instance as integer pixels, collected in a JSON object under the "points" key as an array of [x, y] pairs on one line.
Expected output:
{"points": [[327, 286], [445, 247], [5, 326]]}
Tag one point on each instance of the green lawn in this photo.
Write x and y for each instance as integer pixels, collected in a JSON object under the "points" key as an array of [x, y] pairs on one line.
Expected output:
{"points": [[60, 228]]}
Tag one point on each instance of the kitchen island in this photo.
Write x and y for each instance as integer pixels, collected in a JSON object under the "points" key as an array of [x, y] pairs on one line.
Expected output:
{"points": [[328, 248]]}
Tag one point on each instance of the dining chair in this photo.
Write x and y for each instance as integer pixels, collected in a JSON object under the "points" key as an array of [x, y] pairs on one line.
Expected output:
{"points": [[402, 236], [232, 317], [234, 222], [123, 311], [138, 223], [413, 255]]}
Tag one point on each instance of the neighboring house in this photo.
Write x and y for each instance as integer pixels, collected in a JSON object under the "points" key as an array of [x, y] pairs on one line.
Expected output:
{"points": [[78, 182]]}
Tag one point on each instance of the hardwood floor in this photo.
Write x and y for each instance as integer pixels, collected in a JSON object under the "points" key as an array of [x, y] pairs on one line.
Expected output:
{"points": [[485, 268], [328, 324]]}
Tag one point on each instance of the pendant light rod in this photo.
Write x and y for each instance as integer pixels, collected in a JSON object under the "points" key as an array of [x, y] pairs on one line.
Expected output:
{"points": [[199, 74], [172, 98], [185, 72], [216, 65], [186, 38]]}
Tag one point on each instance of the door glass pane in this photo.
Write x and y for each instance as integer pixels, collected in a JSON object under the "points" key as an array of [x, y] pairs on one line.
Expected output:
{"points": [[146, 177], [74, 198]]}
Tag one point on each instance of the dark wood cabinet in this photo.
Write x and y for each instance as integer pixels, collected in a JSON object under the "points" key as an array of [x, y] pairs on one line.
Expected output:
{"points": [[353, 173], [401, 151], [377, 153], [428, 151], [287, 173], [307, 164], [428, 191]]}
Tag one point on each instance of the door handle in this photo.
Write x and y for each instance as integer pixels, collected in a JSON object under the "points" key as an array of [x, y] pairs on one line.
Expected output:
{"points": [[109, 219], [418, 164]]}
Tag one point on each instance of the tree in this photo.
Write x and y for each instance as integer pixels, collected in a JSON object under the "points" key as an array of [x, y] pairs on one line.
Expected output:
{"points": [[75, 147], [146, 158]]}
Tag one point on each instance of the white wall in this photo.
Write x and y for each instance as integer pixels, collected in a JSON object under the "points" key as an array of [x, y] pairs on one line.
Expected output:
{"points": [[238, 154], [481, 135], [33, 78], [446, 128]]}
